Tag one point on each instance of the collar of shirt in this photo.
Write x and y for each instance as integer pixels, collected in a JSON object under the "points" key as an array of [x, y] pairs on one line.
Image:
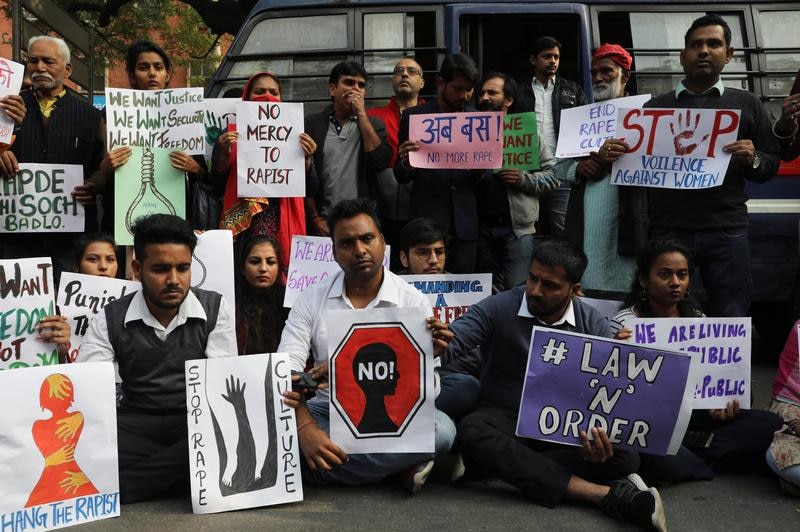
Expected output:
{"points": [[46, 105], [190, 308], [337, 125], [386, 293], [568, 317], [718, 86], [535, 83]]}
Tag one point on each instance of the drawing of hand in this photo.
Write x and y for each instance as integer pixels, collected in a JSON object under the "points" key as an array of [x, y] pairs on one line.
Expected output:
{"points": [[59, 386], [228, 478], [68, 427], [685, 133], [235, 393], [73, 481], [61, 456]]}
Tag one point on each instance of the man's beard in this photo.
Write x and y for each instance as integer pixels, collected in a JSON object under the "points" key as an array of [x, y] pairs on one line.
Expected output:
{"points": [[607, 91], [43, 81], [489, 105]]}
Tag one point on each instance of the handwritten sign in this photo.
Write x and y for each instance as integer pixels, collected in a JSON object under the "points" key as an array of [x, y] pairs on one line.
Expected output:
{"points": [[212, 264], [722, 347], [26, 296], [457, 140], [11, 74], [59, 447], [243, 449], [520, 142], [219, 114], [451, 295], [39, 199], [381, 380], [169, 118], [81, 297], [311, 262], [575, 382], [674, 148], [270, 160], [584, 129], [146, 184]]}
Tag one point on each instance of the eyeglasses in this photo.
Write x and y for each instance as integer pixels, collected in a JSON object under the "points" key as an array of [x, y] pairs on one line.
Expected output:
{"points": [[425, 253], [411, 71]]}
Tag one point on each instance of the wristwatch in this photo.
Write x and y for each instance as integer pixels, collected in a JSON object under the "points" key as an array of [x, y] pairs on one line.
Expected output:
{"points": [[756, 160]]}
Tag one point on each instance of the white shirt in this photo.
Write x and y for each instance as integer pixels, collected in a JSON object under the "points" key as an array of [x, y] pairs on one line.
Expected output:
{"points": [[306, 328], [544, 112], [96, 346], [568, 316]]}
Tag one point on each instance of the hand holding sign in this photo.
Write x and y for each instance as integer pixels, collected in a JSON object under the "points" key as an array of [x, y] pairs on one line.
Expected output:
{"points": [[14, 107]]}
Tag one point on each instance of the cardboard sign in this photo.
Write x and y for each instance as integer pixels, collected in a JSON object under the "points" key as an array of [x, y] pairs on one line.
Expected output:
{"points": [[26, 296], [171, 118], [584, 129], [722, 347], [575, 382], [311, 262], [82, 297], [59, 447], [212, 265], [39, 199], [270, 161], [219, 114], [451, 295], [146, 184], [674, 148], [457, 140], [11, 74], [243, 449], [520, 142], [381, 381]]}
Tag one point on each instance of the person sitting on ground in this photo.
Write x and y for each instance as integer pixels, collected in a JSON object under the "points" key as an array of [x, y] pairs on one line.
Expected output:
{"points": [[660, 289], [260, 315], [545, 472], [783, 456]]}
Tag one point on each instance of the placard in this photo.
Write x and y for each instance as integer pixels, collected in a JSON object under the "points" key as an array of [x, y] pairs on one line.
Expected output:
{"points": [[674, 148], [59, 447], [584, 129], [146, 184], [212, 265], [27, 295], [574, 382], [722, 347], [38, 199], [11, 74], [381, 380], [520, 142], [451, 294], [172, 119], [243, 449], [219, 114], [270, 161], [311, 262], [457, 140], [82, 297]]}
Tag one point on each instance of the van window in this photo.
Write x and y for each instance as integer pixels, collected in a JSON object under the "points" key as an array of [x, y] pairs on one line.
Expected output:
{"points": [[782, 55], [295, 34]]}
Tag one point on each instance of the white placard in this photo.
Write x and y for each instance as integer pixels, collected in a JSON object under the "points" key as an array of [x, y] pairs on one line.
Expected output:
{"points": [[11, 74], [451, 294], [212, 265], [38, 199], [67, 416], [220, 113], [270, 161], [243, 449]]}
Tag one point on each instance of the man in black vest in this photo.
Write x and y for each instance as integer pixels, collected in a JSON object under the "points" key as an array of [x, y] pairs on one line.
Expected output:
{"points": [[150, 334]]}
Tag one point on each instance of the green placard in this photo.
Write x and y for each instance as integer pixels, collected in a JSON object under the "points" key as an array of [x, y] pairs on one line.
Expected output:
{"points": [[146, 184], [520, 142]]}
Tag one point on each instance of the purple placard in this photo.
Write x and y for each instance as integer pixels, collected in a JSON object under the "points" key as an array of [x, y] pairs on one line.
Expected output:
{"points": [[574, 381]]}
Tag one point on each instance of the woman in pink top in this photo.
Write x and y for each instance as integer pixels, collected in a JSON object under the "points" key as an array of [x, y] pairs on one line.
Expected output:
{"points": [[783, 456]]}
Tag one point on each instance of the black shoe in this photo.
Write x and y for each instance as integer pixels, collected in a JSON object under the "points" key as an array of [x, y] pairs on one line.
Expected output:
{"points": [[630, 499]]}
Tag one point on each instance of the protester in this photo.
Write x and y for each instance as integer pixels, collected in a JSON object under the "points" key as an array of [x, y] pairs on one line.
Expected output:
{"points": [[351, 146], [783, 456], [509, 206], [96, 254], [608, 222], [544, 472], [786, 130], [358, 248], [278, 218], [660, 289], [150, 334], [548, 95], [260, 315], [447, 196]]}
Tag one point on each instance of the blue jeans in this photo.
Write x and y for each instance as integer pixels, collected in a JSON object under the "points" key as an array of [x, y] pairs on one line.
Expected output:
{"points": [[553, 210], [500, 251], [369, 468], [459, 395], [723, 256]]}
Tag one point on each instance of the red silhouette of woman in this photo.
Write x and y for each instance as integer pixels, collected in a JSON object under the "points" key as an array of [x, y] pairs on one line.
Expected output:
{"points": [[56, 438]]}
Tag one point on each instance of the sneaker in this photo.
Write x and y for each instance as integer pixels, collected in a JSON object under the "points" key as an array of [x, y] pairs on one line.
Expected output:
{"points": [[414, 478], [630, 499]]}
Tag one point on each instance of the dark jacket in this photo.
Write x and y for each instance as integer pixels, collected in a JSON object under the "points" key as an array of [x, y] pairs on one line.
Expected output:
{"points": [[566, 94]]}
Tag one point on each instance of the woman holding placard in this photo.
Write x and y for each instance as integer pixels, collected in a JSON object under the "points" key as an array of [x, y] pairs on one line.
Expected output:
{"points": [[279, 218], [715, 439]]}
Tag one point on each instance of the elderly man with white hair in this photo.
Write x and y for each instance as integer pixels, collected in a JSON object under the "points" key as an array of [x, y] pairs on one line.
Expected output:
{"points": [[60, 127]]}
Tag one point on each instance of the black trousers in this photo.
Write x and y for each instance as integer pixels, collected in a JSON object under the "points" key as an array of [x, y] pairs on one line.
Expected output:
{"points": [[153, 454], [540, 470]]}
